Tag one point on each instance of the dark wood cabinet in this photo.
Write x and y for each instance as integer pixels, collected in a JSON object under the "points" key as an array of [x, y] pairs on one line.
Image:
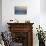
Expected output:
{"points": [[22, 33]]}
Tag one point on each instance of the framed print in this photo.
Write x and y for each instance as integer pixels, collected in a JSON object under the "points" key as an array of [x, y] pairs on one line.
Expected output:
{"points": [[20, 10]]}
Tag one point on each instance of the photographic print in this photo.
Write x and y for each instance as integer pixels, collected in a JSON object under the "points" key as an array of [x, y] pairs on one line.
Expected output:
{"points": [[20, 10]]}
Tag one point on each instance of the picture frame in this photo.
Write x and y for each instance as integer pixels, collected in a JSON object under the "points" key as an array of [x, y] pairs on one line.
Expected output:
{"points": [[20, 10]]}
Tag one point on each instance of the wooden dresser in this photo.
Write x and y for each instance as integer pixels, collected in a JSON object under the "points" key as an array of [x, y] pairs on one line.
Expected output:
{"points": [[22, 33]]}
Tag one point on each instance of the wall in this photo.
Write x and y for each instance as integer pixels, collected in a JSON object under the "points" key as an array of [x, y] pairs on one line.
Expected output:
{"points": [[34, 14], [43, 6], [33, 10], [0, 15], [43, 14]]}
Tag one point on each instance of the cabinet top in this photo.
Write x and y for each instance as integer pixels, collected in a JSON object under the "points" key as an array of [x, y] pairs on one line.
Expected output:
{"points": [[19, 23]]}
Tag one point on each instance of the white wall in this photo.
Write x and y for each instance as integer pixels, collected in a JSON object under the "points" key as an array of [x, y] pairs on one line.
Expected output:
{"points": [[43, 14], [33, 10], [0, 15], [43, 6], [34, 14]]}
